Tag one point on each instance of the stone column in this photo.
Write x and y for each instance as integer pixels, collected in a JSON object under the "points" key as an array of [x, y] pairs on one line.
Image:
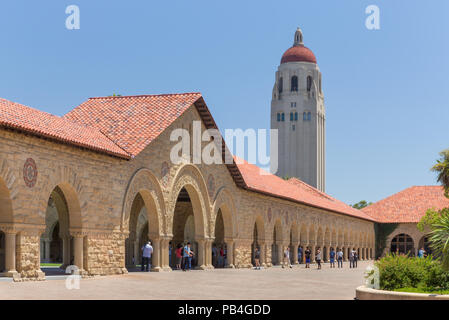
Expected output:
{"points": [[78, 242], [280, 253], [47, 243], [208, 253], [263, 254], [230, 253], [10, 255], [201, 265], [27, 252], [165, 254], [313, 249], [295, 253], [66, 255], [156, 257], [136, 252], [345, 253]]}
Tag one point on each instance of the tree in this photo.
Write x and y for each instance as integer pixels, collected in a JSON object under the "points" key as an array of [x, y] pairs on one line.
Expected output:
{"points": [[431, 217], [439, 238], [442, 168], [361, 204]]}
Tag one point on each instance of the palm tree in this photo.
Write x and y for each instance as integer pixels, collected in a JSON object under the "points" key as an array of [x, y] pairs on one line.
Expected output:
{"points": [[439, 238], [442, 167]]}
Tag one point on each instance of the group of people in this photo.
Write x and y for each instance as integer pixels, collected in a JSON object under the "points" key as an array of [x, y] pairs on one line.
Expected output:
{"points": [[219, 256], [334, 255], [184, 257]]}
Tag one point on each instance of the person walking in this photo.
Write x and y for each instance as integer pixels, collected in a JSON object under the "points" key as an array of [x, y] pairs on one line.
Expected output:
{"points": [[332, 257], [340, 258], [147, 251], [178, 257], [187, 257], [287, 261], [257, 259], [356, 257], [318, 258], [307, 254]]}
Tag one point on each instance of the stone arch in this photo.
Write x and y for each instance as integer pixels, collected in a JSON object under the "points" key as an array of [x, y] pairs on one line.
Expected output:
{"points": [[294, 233], [190, 178], [276, 247], [258, 237], [144, 183], [225, 203], [6, 209]]}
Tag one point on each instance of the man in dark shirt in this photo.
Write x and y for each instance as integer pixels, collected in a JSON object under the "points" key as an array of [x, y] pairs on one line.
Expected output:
{"points": [[307, 254]]}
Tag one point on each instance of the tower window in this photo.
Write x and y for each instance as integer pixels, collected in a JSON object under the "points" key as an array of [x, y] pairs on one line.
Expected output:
{"points": [[293, 127], [279, 117], [291, 116], [282, 117], [304, 116], [293, 104], [309, 83], [280, 85], [309, 116], [294, 84], [296, 116]]}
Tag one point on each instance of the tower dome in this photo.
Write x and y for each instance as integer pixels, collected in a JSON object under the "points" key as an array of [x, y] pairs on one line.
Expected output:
{"points": [[298, 52]]}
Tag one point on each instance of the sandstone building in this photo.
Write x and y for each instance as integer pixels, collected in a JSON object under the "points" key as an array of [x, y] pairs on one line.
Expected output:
{"points": [[89, 187]]}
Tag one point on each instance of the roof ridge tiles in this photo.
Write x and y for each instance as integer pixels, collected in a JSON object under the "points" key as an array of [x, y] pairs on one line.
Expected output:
{"points": [[146, 95]]}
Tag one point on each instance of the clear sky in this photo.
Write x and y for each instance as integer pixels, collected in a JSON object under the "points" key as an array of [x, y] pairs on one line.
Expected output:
{"points": [[386, 91]]}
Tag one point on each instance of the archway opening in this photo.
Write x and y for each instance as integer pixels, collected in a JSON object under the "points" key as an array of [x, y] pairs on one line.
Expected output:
{"points": [[143, 224], [56, 244], [425, 243], [184, 230], [2, 252], [219, 245], [6, 216], [257, 240], [276, 249], [402, 244]]}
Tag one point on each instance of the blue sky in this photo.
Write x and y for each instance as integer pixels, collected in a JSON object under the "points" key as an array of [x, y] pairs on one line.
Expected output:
{"points": [[386, 91]]}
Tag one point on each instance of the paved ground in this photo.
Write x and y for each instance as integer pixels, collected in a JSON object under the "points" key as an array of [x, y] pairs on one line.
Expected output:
{"points": [[272, 283]]}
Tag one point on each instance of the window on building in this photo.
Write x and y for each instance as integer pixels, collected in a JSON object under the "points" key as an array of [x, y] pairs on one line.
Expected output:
{"points": [[280, 85], [293, 104], [403, 244], [309, 83], [279, 117], [291, 116], [304, 116], [309, 116], [293, 127], [282, 117], [294, 84], [296, 116]]}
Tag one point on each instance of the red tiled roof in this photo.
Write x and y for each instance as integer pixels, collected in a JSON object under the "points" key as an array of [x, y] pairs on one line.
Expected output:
{"points": [[298, 54], [409, 205], [19, 117], [261, 181], [132, 122]]}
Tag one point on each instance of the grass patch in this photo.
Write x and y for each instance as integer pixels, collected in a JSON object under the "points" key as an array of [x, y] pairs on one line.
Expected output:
{"points": [[45, 264], [418, 290]]}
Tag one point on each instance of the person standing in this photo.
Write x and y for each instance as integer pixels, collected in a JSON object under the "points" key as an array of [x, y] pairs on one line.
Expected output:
{"points": [[147, 251], [178, 257], [318, 258], [214, 255], [257, 259], [299, 254], [351, 258], [356, 257], [307, 254], [187, 257], [287, 261], [421, 253], [332, 257], [340, 258], [220, 258]]}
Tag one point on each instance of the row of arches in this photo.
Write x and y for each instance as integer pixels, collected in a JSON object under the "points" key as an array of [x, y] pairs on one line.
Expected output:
{"points": [[272, 246], [294, 84]]}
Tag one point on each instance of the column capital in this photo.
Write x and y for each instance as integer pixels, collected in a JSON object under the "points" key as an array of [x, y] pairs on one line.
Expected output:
{"points": [[77, 232]]}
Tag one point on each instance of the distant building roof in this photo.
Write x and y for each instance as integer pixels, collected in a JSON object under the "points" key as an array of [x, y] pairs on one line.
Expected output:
{"points": [[258, 180], [409, 205]]}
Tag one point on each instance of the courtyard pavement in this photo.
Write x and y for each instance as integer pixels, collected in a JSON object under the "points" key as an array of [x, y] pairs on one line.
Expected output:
{"points": [[272, 283]]}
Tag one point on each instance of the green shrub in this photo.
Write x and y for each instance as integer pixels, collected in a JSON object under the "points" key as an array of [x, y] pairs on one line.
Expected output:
{"points": [[397, 272]]}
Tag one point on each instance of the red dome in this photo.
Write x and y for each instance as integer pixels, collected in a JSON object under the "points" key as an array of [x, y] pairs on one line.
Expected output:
{"points": [[298, 53]]}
